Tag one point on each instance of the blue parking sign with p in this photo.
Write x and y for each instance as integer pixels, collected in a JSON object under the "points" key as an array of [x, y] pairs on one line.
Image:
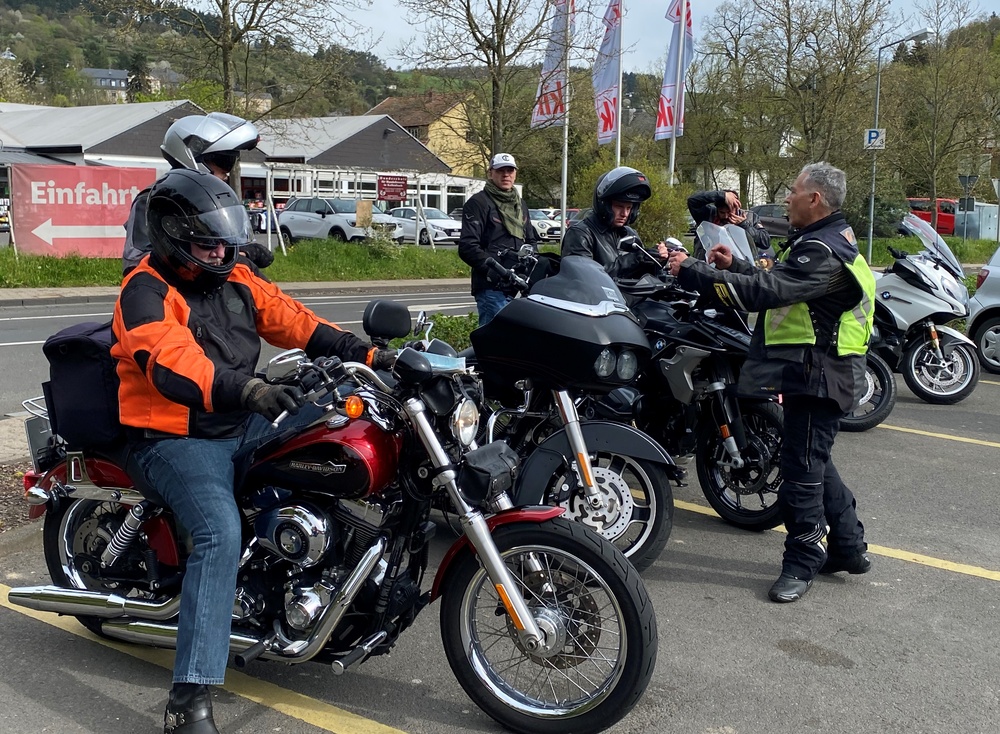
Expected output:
{"points": [[875, 139]]}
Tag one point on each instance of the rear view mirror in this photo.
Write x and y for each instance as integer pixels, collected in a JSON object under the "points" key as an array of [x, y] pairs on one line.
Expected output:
{"points": [[627, 243], [284, 365]]}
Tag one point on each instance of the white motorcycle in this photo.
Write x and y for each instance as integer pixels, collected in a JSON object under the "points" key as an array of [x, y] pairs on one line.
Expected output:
{"points": [[915, 298]]}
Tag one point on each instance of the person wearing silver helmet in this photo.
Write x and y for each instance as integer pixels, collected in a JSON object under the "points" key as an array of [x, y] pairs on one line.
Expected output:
{"points": [[209, 142], [617, 197]]}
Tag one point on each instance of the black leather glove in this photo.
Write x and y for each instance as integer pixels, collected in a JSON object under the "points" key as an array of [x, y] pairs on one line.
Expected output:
{"points": [[383, 359], [271, 400], [258, 254]]}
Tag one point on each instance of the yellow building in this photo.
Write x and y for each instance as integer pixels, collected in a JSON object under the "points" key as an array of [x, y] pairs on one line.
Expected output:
{"points": [[440, 122]]}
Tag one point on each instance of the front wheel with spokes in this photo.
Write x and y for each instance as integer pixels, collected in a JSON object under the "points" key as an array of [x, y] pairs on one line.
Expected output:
{"points": [[598, 623]]}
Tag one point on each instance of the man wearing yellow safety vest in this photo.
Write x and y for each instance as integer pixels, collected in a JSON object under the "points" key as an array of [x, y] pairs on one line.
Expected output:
{"points": [[817, 307]]}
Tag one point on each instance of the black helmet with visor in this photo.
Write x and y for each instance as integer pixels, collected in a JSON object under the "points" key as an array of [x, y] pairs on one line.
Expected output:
{"points": [[620, 184], [190, 213]]}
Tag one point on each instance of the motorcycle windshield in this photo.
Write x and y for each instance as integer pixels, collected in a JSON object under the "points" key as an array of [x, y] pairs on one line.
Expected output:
{"points": [[581, 286], [933, 244], [731, 236]]}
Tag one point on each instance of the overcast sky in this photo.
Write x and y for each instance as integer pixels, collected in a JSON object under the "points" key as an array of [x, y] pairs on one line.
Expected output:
{"points": [[646, 29]]}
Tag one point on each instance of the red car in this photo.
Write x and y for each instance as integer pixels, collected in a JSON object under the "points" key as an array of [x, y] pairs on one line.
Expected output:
{"points": [[946, 209]]}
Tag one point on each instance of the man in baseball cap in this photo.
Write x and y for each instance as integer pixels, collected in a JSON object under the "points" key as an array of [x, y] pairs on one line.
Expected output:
{"points": [[503, 160], [495, 224]]}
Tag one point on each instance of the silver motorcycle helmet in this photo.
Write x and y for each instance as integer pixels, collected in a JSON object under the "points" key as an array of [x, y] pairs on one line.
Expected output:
{"points": [[216, 137]]}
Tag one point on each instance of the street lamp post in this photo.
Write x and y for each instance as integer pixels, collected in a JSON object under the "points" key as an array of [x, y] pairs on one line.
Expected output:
{"points": [[921, 35]]}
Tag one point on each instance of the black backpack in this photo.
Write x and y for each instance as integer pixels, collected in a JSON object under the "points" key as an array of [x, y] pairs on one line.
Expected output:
{"points": [[82, 392]]}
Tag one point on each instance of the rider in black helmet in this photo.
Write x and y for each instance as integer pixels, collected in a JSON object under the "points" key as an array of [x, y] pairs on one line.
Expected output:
{"points": [[209, 142], [188, 326], [617, 198]]}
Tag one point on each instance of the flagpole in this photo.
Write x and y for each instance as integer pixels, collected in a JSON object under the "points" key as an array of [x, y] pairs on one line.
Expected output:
{"points": [[621, 88], [565, 150], [678, 91]]}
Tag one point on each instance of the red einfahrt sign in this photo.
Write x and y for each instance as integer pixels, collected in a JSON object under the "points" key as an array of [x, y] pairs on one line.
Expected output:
{"points": [[73, 210]]}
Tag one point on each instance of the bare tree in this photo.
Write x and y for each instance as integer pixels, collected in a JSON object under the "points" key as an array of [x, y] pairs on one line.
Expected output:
{"points": [[491, 42], [944, 98], [231, 38]]}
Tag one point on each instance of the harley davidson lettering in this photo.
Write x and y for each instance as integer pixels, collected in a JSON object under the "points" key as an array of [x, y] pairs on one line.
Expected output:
{"points": [[325, 469]]}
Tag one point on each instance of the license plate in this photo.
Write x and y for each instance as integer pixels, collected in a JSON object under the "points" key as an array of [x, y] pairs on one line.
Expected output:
{"points": [[38, 431]]}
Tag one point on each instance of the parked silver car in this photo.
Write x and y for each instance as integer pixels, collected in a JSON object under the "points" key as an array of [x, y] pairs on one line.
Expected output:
{"points": [[446, 229], [335, 219], [984, 317]]}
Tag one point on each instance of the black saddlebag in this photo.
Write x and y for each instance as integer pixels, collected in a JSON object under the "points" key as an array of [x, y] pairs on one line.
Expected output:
{"points": [[82, 392]]}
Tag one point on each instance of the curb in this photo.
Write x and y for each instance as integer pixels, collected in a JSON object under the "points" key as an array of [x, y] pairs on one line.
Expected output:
{"points": [[45, 297]]}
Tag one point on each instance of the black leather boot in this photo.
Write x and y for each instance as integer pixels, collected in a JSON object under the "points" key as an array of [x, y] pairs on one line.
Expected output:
{"points": [[788, 588], [189, 710], [853, 564]]}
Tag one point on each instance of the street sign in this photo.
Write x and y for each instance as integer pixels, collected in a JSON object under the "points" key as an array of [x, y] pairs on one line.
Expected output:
{"points": [[74, 210], [967, 182], [875, 138], [392, 188]]}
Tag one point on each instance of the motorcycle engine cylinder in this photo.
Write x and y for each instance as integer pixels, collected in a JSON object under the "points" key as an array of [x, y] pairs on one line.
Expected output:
{"points": [[300, 534]]}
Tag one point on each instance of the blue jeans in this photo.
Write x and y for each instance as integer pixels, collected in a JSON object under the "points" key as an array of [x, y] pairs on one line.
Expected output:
{"points": [[489, 304], [195, 477]]}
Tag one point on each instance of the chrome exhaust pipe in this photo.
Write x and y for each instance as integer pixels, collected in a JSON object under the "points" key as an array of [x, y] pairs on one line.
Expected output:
{"points": [[95, 604], [81, 602], [165, 635]]}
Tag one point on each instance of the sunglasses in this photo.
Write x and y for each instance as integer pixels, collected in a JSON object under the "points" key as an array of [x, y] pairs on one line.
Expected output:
{"points": [[207, 248]]}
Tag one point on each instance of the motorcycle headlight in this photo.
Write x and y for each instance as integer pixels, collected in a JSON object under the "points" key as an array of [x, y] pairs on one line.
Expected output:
{"points": [[628, 365], [465, 422], [605, 363]]}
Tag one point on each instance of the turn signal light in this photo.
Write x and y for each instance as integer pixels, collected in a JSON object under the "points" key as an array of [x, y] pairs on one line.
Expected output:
{"points": [[354, 407]]}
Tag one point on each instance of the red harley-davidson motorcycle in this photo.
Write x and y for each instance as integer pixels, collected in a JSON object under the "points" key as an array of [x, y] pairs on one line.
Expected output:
{"points": [[545, 624]]}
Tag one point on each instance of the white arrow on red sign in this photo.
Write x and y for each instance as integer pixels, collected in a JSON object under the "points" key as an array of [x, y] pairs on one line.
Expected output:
{"points": [[49, 232]]}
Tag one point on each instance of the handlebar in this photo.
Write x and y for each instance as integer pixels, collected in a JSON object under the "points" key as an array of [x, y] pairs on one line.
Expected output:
{"points": [[507, 275], [317, 375]]}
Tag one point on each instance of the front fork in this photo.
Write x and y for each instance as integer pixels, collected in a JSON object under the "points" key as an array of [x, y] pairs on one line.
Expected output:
{"points": [[477, 531], [584, 469], [730, 424]]}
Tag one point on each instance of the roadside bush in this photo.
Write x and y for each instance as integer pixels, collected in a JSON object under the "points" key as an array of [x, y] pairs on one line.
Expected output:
{"points": [[452, 329]]}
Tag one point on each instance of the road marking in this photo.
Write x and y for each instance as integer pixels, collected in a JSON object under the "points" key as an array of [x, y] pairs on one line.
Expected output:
{"points": [[296, 705], [879, 550], [944, 436], [18, 344], [990, 382], [58, 316]]}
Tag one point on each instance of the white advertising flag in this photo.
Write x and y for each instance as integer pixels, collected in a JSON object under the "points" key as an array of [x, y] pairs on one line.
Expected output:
{"points": [[606, 75], [670, 114], [553, 88]]}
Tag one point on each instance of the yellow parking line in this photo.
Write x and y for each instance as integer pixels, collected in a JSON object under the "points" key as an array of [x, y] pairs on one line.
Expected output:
{"points": [[990, 382], [945, 436], [311, 711], [879, 550]]}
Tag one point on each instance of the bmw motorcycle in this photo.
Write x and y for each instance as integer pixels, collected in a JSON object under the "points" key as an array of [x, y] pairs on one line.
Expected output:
{"points": [[916, 297], [544, 623]]}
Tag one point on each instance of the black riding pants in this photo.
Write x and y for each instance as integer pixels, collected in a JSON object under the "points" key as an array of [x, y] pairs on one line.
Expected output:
{"points": [[812, 495]]}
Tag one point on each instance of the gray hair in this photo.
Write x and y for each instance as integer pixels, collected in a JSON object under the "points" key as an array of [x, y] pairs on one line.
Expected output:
{"points": [[829, 182]]}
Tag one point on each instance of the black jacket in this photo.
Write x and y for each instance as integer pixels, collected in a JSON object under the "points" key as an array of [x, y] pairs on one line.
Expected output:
{"points": [[704, 206], [592, 238], [484, 236], [815, 273]]}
